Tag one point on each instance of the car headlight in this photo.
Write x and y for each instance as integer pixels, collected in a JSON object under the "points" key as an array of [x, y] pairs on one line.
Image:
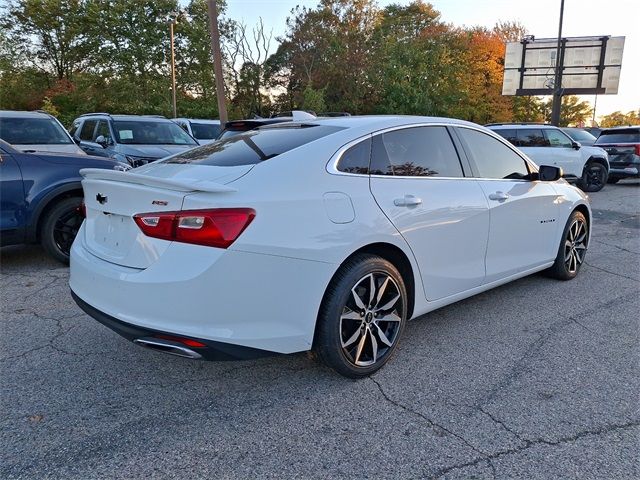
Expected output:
{"points": [[136, 161]]}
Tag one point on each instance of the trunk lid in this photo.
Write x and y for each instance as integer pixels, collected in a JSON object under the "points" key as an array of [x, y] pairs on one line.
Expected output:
{"points": [[113, 197], [621, 154]]}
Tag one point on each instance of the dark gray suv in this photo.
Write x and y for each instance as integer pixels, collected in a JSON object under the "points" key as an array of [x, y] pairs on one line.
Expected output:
{"points": [[135, 139]]}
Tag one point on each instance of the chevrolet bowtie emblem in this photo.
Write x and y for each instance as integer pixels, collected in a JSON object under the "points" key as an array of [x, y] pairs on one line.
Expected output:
{"points": [[102, 199]]}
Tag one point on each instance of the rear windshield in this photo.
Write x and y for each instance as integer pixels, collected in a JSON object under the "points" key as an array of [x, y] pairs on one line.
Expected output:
{"points": [[149, 132], [205, 131], [617, 136], [254, 146], [32, 131]]}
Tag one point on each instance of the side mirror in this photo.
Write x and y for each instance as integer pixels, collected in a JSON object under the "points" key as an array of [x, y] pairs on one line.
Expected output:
{"points": [[548, 173], [102, 141], [576, 145]]}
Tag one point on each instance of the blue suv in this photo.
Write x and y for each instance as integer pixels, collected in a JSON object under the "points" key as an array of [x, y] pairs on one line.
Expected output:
{"points": [[41, 197], [134, 139]]}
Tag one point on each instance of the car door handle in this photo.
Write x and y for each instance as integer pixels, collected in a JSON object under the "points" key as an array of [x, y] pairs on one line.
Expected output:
{"points": [[407, 201], [499, 196]]}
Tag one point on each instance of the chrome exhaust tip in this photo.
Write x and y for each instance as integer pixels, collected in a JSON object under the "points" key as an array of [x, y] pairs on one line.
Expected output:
{"points": [[164, 346]]}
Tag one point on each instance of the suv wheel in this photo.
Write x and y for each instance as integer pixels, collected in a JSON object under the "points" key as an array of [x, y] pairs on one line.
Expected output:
{"points": [[60, 227], [594, 177], [362, 316]]}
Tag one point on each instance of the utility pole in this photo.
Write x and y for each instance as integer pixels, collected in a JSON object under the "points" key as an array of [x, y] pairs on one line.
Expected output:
{"points": [[557, 84], [173, 19], [217, 59]]}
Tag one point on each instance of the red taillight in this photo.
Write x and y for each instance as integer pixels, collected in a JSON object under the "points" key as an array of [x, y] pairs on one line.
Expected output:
{"points": [[82, 209], [638, 149], [185, 341], [218, 227]]}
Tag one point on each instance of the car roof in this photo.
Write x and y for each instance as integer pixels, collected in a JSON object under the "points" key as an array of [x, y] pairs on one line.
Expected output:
{"points": [[632, 128], [205, 120], [118, 116], [24, 114], [511, 126]]}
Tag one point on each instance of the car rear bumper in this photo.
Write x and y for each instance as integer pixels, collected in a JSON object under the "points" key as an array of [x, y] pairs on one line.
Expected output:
{"points": [[262, 302], [624, 172], [211, 351]]}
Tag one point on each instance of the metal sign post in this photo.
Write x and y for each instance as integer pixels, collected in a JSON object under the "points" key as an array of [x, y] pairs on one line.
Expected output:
{"points": [[557, 84]]}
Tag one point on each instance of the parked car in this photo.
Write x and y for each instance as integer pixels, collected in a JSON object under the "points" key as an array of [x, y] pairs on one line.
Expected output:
{"points": [[41, 197], [35, 131], [595, 131], [235, 127], [326, 235], [546, 144], [135, 139], [204, 131], [623, 146], [580, 135]]}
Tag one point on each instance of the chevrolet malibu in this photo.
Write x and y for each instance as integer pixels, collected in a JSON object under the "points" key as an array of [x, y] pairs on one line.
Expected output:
{"points": [[325, 235]]}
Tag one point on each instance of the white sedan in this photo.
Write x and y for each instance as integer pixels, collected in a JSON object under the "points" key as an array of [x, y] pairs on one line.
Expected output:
{"points": [[328, 235]]}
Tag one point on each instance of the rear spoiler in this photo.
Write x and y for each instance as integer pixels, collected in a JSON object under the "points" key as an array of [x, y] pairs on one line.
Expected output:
{"points": [[184, 185]]}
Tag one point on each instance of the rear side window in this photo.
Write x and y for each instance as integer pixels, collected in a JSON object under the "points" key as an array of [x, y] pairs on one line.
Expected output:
{"points": [[493, 158], [255, 146], [86, 132], [531, 137], [508, 134], [621, 136], [415, 152], [205, 131], [356, 158]]}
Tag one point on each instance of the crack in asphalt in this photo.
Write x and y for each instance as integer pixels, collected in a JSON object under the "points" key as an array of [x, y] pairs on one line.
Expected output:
{"points": [[598, 431], [435, 426], [612, 273], [615, 246]]}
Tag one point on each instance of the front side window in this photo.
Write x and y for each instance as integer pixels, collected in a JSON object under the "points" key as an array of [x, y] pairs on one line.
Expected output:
{"points": [[103, 129], [149, 132], [356, 158], [493, 158], [254, 146], [531, 137], [557, 139], [415, 152], [86, 132], [32, 131]]}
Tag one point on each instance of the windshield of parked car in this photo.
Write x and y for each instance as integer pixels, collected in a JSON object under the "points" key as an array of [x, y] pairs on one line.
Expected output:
{"points": [[254, 146], [581, 136], [619, 136], [149, 132], [205, 131], [32, 131]]}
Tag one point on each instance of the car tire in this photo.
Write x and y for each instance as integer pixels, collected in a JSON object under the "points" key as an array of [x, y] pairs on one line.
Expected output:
{"points": [[594, 177], [362, 316], [60, 226], [572, 249], [613, 180]]}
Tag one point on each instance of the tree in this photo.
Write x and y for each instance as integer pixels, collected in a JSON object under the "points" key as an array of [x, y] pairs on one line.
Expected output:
{"points": [[618, 119], [573, 111]]}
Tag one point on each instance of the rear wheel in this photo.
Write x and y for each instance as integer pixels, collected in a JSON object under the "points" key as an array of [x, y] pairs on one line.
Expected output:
{"points": [[572, 249], [60, 228], [594, 177], [362, 316]]}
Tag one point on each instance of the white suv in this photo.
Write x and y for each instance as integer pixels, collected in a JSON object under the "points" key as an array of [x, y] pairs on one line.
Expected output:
{"points": [[549, 145]]}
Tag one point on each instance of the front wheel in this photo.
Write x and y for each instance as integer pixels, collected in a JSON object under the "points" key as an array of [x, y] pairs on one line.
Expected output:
{"points": [[60, 228], [362, 316], [594, 177], [572, 249]]}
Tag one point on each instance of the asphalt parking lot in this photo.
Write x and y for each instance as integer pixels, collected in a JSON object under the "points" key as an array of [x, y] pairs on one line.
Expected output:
{"points": [[536, 379]]}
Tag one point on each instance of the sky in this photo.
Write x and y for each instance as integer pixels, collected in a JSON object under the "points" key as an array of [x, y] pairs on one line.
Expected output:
{"points": [[540, 17]]}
